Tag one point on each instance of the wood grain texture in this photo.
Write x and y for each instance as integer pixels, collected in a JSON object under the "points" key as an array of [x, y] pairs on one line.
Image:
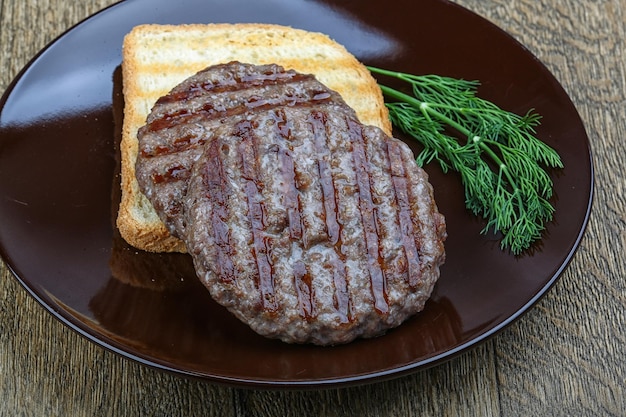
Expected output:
{"points": [[564, 358]]}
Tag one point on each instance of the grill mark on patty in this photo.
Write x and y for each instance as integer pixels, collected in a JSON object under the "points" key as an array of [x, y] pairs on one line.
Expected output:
{"points": [[404, 217], [317, 121], [181, 144], [215, 182], [292, 199], [252, 188], [369, 216], [329, 192], [171, 174], [304, 291], [282, 124]]}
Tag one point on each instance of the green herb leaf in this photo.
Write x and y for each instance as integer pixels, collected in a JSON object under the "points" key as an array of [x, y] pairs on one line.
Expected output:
{"points": [[500, 160]]}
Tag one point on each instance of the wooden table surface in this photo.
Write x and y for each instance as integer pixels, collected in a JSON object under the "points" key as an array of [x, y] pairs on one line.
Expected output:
{"points": [[566, 357]]}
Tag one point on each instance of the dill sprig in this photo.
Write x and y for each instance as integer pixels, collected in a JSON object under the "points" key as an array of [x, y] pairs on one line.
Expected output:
{"points": [[500, 160]]}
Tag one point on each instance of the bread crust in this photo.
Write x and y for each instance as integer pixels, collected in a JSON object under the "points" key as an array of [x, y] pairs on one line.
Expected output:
{"points": [[155, 58]]}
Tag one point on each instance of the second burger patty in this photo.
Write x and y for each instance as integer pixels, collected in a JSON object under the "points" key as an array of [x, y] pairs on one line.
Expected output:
{"points": [[182, 121]]}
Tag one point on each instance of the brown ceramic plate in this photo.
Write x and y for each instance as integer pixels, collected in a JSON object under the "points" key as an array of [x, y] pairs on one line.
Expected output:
{"points": [[59, 124]]}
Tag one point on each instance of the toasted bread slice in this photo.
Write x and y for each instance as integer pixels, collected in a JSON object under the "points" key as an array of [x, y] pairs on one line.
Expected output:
{"points": [[158, 57]]}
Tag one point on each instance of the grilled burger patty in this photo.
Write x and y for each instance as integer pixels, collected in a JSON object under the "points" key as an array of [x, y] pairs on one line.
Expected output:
{"points": [[182, 121], [307, 225], [311, 227]]}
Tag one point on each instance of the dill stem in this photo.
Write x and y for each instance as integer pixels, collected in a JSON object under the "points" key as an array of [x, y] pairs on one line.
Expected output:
{"points": [[392, 92], [394, 74]]}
